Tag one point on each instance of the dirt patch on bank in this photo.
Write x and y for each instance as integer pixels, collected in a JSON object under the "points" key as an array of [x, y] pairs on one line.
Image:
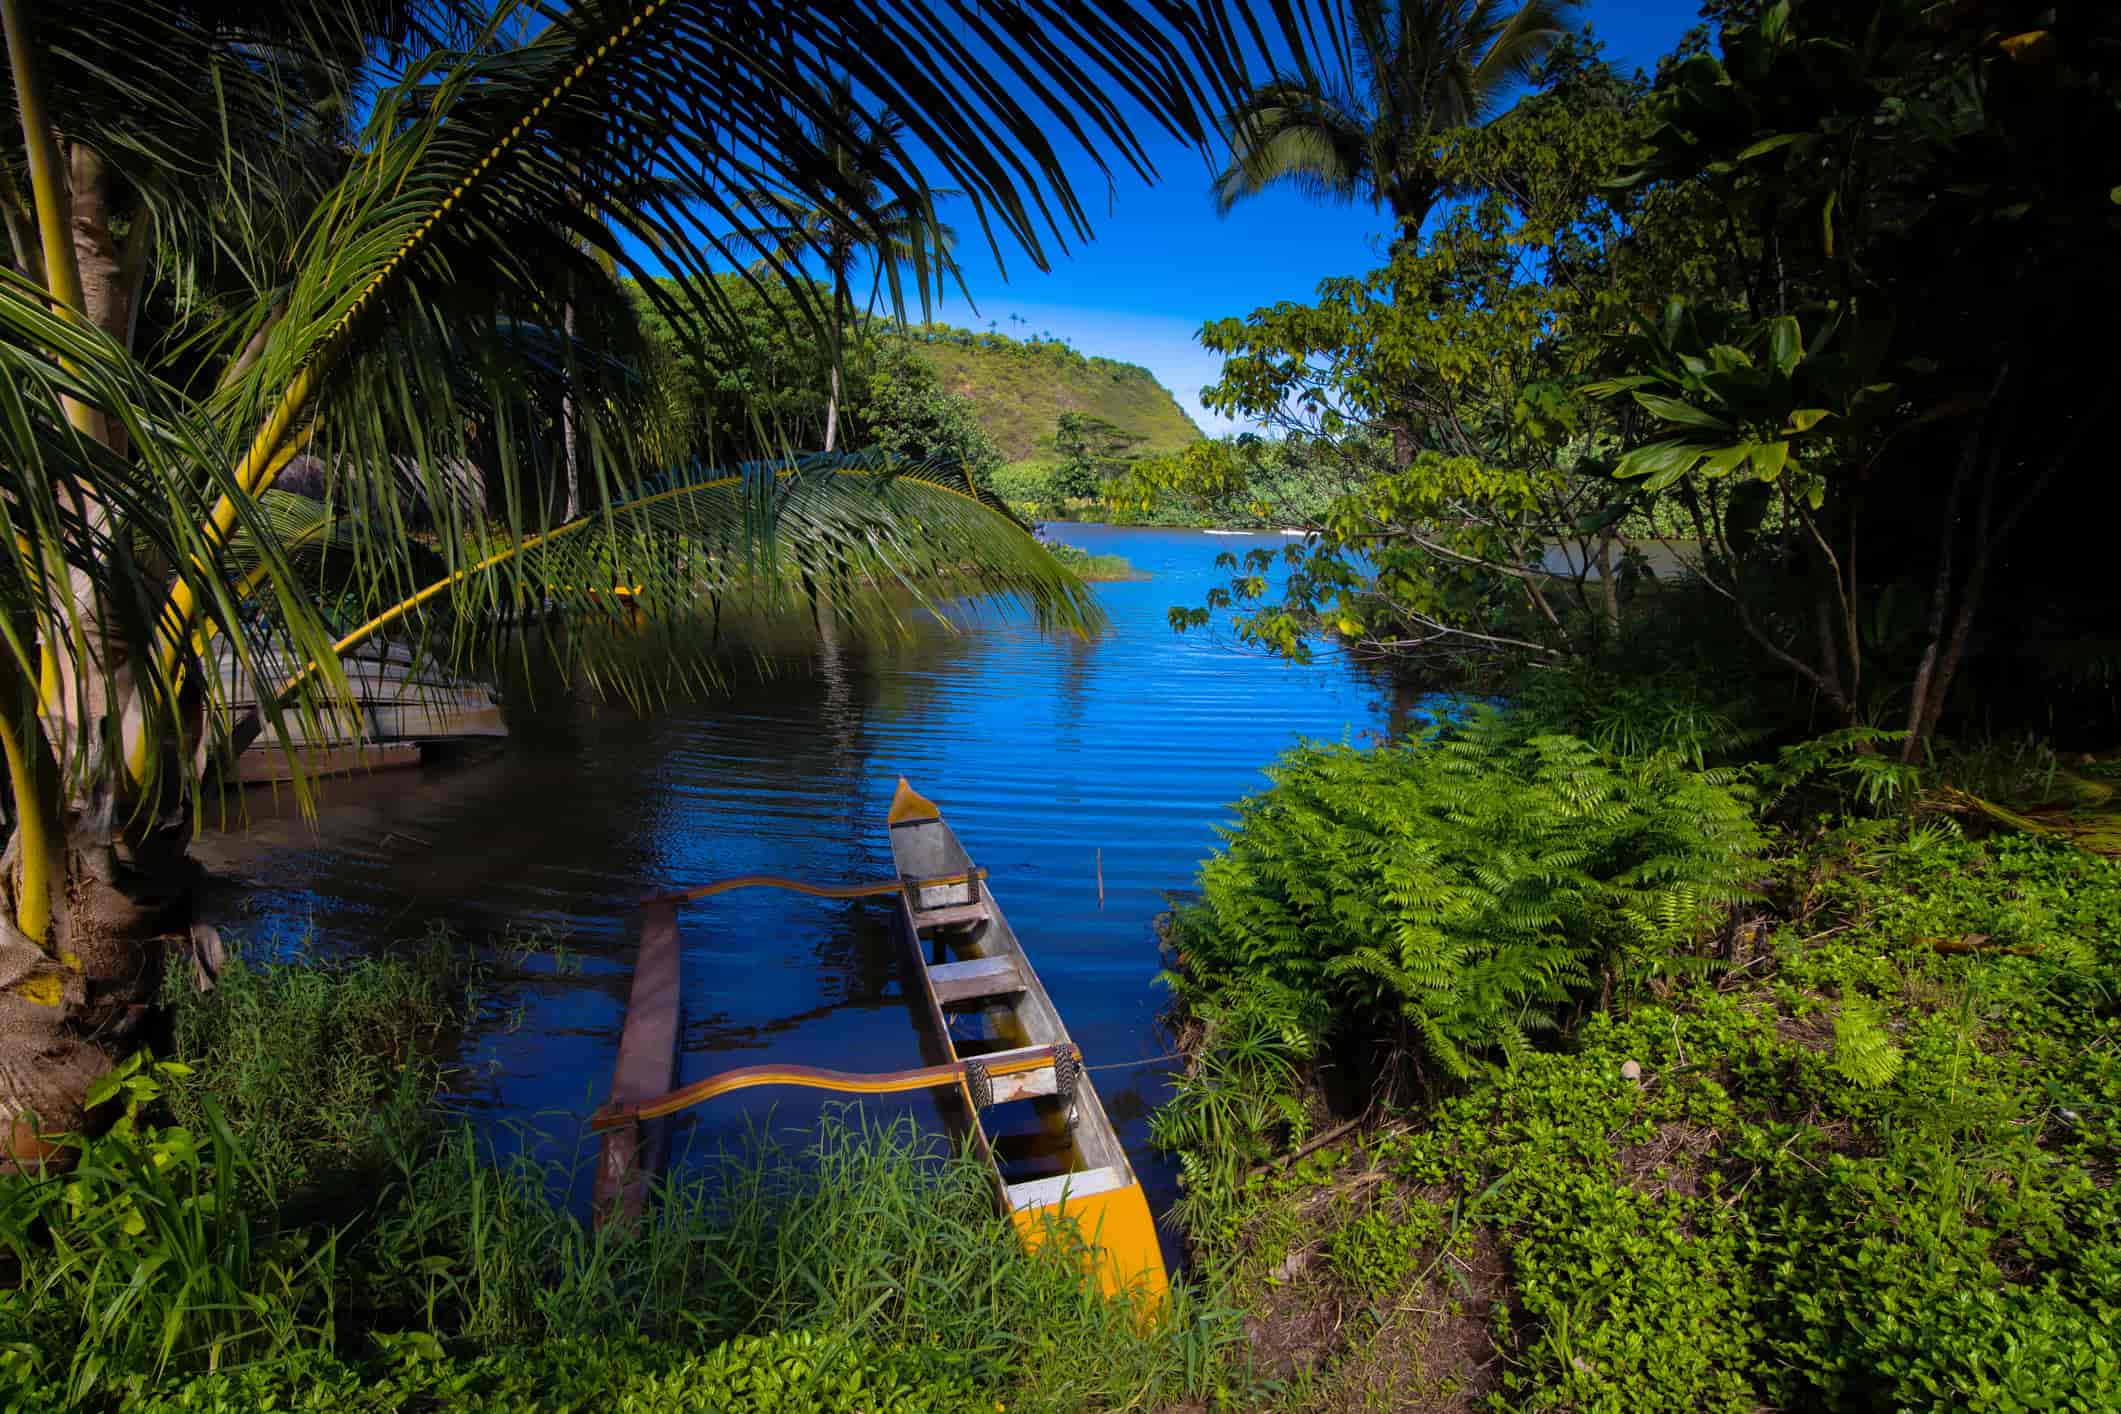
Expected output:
{"points": [[1426, 1347], [1434, 1351]]}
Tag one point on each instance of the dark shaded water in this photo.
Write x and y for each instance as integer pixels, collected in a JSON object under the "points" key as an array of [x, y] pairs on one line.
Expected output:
{"points": [[1046, 754]]}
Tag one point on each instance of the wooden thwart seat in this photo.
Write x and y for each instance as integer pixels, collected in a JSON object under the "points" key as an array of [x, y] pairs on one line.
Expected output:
{"points": [[1045, 1192], [952, 914], [979, 978], [970, 909]]}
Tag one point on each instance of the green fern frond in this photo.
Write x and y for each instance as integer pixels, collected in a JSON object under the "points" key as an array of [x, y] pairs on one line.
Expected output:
{"points": [[1864, 1054]]}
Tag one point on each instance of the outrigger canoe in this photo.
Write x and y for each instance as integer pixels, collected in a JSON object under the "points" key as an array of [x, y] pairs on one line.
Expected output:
{"points": [[997, 1044]]}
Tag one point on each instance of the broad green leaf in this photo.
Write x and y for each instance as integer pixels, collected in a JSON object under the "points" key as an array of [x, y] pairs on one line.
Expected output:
{"points": [[1607, 387], [1728, 356], [1724, 460], [1785, 343], [1805, 419], [1673, 410], [1775, 22], [1769, 459], [1662, 462], [1674, 317]]}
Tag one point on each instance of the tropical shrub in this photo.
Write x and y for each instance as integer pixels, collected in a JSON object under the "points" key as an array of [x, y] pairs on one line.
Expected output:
{"points": [[1451, 895], [908, 413], [1872, 1168], [146, 1258]]}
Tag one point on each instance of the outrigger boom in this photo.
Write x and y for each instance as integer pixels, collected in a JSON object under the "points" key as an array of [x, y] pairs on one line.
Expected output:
{"points": [[971, 970]]}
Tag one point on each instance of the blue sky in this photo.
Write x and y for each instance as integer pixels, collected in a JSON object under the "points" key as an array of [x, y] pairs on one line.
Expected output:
{"points": [[1162, 263]]}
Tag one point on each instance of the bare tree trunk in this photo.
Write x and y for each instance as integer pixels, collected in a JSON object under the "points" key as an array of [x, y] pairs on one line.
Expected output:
{"points": [[832, 409], [1609, 592]]}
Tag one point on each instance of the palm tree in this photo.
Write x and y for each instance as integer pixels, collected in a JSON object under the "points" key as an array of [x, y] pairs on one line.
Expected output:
{"points": [[898, 234], [392, 302], [1416, 70]]}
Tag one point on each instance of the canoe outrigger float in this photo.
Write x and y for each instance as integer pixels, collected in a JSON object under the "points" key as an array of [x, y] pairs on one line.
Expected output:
{"points": [[1001, 1052]]}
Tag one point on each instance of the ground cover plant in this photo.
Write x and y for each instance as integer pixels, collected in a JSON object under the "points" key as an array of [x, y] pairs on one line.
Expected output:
{"points": [[1858, 1153]]}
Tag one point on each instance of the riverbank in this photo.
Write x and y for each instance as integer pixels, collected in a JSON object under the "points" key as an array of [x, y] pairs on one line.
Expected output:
{"points": [[287, 1215], [1850, 1143]]}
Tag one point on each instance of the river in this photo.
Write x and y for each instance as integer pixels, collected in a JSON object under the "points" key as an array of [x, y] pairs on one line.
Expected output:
{"points": [[1057, 760]]}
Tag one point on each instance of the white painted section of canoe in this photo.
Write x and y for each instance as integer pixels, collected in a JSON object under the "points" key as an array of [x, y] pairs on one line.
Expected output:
{"points": [[1045, 1192]]}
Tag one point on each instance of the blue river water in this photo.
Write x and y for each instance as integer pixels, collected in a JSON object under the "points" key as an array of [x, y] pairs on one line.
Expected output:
{"points": [[1060, 762]]}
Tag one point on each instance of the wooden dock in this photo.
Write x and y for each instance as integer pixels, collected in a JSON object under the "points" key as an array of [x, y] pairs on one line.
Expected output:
{"points": [[402, 704]]}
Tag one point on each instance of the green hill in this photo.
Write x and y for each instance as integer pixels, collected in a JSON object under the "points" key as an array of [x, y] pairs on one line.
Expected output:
{"points": [[1019, 389]]}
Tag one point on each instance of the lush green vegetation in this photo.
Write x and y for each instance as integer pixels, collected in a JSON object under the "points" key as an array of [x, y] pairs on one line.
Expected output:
{"points": [[1093, 568], [1723, 313], [283, 1202], [1021, 388], [387, 253], [1857, 1151], [1732, 1025]]}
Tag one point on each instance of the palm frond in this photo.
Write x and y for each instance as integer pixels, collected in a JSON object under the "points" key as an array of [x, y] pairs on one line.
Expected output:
{"points": [[1288, 132], [876, 543]]}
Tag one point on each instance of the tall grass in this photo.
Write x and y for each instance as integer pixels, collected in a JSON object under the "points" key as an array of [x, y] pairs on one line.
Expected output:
{"points": [[289, 1197], [321, 1068], [147, 1257], [868, 1231]]}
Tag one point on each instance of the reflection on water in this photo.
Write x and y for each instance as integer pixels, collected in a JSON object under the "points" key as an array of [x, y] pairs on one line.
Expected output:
{"points": [[1053, 758]]}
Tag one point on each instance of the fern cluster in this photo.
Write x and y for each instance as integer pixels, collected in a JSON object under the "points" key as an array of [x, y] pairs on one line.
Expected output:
{"points": [[1453, 894]]}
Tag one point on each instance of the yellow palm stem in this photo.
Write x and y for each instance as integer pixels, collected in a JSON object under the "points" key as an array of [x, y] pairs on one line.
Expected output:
{"points": [[441, 586], [275, 445], [35, 813], [62, 274]]}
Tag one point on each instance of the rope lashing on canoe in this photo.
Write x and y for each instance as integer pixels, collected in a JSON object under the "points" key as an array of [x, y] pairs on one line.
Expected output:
{"points": [[772, 881], [849, 1082]]}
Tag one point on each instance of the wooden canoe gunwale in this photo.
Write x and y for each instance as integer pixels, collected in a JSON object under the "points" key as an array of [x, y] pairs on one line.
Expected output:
{"points": [[929, 848], [938, 889]]}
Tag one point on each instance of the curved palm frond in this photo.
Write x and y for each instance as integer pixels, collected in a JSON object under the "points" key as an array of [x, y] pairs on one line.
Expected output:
{"points": [[1290, 132], [1506, 49], [468, 160], [873, 540], [1409, 73], [519, 155]]}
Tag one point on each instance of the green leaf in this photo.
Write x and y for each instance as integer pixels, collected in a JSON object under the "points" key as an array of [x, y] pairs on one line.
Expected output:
{"points": [[1805, 419], [1674, 317], [1724, 460], [1673, 410], [1826, 222], [1770, 144], [1785, 343], [1726, 357], [1662, 462], [1769, 459]]}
